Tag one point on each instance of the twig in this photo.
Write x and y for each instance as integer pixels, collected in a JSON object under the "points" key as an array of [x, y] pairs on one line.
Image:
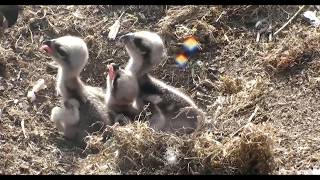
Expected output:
{"points": [[217, 112], [295, 15], [182, 111], [114, 29], [204, 100], [253, 114], [36, 14], [31, 35], [50, 10], [144, 110], [270, 37], [100, 22], [19, 74], [249, 121], [16, 44], [100, 50], [23, 129], [223, 12], [258, 37], [226, 37], [206, 82]]}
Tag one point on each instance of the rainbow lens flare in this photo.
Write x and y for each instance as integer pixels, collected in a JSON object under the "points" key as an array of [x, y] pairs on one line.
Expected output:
{"points": [[191, 45], [181, 60]]}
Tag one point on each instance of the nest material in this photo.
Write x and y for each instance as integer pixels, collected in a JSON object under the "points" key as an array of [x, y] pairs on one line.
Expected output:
{"points": [[141, 150], [280, 132]]}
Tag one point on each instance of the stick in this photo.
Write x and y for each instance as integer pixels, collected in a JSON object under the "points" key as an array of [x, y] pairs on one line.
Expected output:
{"points": [[182, 111], [258, 37], [100, 22], [115, 28], [289, 20], [23, 129], [253, 114], [144, 110], [16, 44], [223, 12], [226, 37], [31, 35], [249, 121]]}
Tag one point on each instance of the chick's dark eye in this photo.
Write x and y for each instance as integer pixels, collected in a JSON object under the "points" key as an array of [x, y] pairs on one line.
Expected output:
{"points": [[61, 51], [115, 82], [117, 77], [116, 66], [137, 41], [144, 52], [142, 45]]}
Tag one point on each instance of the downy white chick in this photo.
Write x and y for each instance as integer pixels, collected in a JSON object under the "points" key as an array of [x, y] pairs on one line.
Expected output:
{"points": [[71, 54], [173, 111], [121, 94]]}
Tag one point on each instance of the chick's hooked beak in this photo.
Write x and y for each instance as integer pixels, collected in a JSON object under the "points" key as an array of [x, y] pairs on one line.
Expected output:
{"points": [[126, 38], [111, 72], [47, 47]]}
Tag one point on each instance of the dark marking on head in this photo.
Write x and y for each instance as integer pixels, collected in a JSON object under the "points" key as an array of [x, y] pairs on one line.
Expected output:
{"points": [[62, 52], [116, 67], [143, 45], [145, 49]]}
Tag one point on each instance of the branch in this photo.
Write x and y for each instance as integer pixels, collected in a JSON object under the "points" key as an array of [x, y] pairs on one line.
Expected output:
{"points": [[295, 15]]}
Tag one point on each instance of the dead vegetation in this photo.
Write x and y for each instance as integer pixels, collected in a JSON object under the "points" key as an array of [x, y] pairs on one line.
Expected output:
{"points": [[261, 99], [141, 150]]}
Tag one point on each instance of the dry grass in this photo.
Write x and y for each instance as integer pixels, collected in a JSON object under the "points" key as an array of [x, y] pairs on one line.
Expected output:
{"points": [[261, 99], [141, 150]]}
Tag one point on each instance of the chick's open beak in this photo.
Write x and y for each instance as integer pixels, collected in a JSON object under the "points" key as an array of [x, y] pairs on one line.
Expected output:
{"points": [[111, 72], [47, 47]]}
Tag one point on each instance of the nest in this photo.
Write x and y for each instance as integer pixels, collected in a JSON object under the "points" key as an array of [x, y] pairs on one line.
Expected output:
{"points": [[138, 149], [257, 96]]}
